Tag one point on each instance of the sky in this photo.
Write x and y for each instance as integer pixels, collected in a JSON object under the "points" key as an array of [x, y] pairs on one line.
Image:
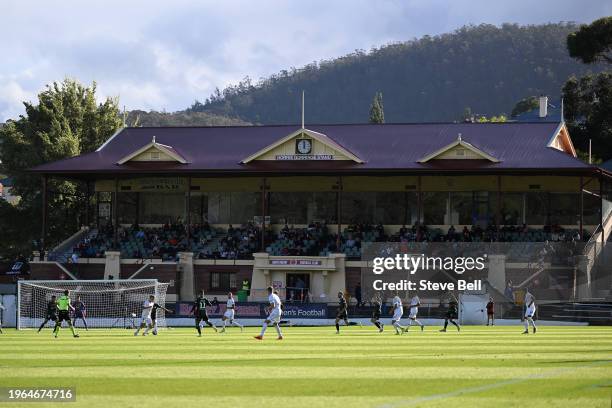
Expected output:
{"points": [[163, 55]]}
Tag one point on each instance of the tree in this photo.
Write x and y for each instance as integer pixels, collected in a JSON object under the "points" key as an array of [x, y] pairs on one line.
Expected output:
{"points": [[181, 118], [525, 105], [587, 111], [377, 114], [467, 116], [493, 119], [592, 42], [66, 121], [588, 100]]}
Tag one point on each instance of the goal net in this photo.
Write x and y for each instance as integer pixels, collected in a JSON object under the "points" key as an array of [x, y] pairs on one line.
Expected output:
{"points": [[108, 303]]}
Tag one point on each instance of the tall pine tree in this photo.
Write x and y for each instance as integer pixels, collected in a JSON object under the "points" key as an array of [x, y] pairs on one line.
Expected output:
{"points": [[377, 114]]}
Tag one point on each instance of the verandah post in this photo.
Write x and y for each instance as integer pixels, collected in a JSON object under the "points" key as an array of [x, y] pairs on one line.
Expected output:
{"points": [[263, 214], [339, 212], [116, 215], [43, 237]]}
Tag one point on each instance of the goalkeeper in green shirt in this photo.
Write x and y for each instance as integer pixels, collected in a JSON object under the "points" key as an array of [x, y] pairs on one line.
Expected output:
{"points": [[63, 313]]}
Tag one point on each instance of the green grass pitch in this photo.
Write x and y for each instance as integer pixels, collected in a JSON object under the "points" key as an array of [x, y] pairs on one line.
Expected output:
{"points": [[313, 367]]}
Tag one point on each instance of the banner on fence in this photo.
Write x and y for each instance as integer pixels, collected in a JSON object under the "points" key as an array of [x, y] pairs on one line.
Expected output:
{"points": [[257, 310]]}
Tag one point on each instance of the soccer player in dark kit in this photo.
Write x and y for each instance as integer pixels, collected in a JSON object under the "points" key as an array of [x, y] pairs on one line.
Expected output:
{"points": [[80, 311], [199, 308], [51, 313], [377, 312], [154, 316], [452, 313], [491, 312], [342, 313]]}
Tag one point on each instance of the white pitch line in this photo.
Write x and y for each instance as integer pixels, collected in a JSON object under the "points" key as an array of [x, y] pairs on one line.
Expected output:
{"points": [[487, 387]]}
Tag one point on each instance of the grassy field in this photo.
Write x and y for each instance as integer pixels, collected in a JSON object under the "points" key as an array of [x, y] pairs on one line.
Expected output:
{"points": [[313, 367]]}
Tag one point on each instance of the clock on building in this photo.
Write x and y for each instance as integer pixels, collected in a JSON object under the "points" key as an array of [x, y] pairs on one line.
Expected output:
{"points": [[303, 146]]}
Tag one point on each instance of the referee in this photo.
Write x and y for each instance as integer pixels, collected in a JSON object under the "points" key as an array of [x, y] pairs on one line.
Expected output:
{"points": [[63, 313]]}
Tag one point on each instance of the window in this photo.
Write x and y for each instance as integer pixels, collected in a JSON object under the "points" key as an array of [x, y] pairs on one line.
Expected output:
{"points": [[158, 208], [391, 208], [564, 208], [591, 209], [223, 281], [512, 209], [127, 207], [302, 207], [154, 155], [244, 206], [461, 208], [537, 208], [358, 208], [198, 207], [434, 207], [290, 207]]}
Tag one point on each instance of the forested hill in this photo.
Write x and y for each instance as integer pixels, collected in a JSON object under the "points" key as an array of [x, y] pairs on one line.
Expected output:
{"points": [[180, 118], [485, 68]]}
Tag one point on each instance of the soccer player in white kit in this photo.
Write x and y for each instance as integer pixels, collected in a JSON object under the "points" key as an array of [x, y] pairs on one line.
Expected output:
{"points": [[398, 311], [415, 302], [147, 307], [229, 313], [530, 309], [274, 314]]}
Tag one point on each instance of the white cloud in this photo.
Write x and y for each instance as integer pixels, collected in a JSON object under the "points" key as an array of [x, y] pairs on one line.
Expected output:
{"points": [[163, 55], [12, 96]]}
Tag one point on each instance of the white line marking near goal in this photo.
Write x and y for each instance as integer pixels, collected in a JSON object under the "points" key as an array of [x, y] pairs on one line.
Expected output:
{"points": [[487, 387]]}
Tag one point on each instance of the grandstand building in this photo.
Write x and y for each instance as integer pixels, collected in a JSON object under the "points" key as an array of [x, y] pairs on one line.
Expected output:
{"points": [[188, 204]]}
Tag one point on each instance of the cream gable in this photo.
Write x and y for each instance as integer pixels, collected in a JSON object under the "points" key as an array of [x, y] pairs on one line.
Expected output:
{"points": [[153, 151], [459, 150], [152, 154], [284, 149]]}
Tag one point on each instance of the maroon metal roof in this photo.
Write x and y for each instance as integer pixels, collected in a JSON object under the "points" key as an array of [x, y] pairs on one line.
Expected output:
{"points": [[389, 147]]}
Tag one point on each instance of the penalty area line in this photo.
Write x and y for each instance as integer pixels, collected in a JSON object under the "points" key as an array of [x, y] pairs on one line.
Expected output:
{"points": [[487, 387]]}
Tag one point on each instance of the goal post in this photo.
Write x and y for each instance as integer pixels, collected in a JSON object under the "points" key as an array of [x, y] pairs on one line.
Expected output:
{"points": [[108, 303]]}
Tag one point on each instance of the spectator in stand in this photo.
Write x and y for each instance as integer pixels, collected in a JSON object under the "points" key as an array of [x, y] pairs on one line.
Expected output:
{"points": [[450, 235], [240, 242], [476, 231], [350, 242], [418, 237], [466, 234]]}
